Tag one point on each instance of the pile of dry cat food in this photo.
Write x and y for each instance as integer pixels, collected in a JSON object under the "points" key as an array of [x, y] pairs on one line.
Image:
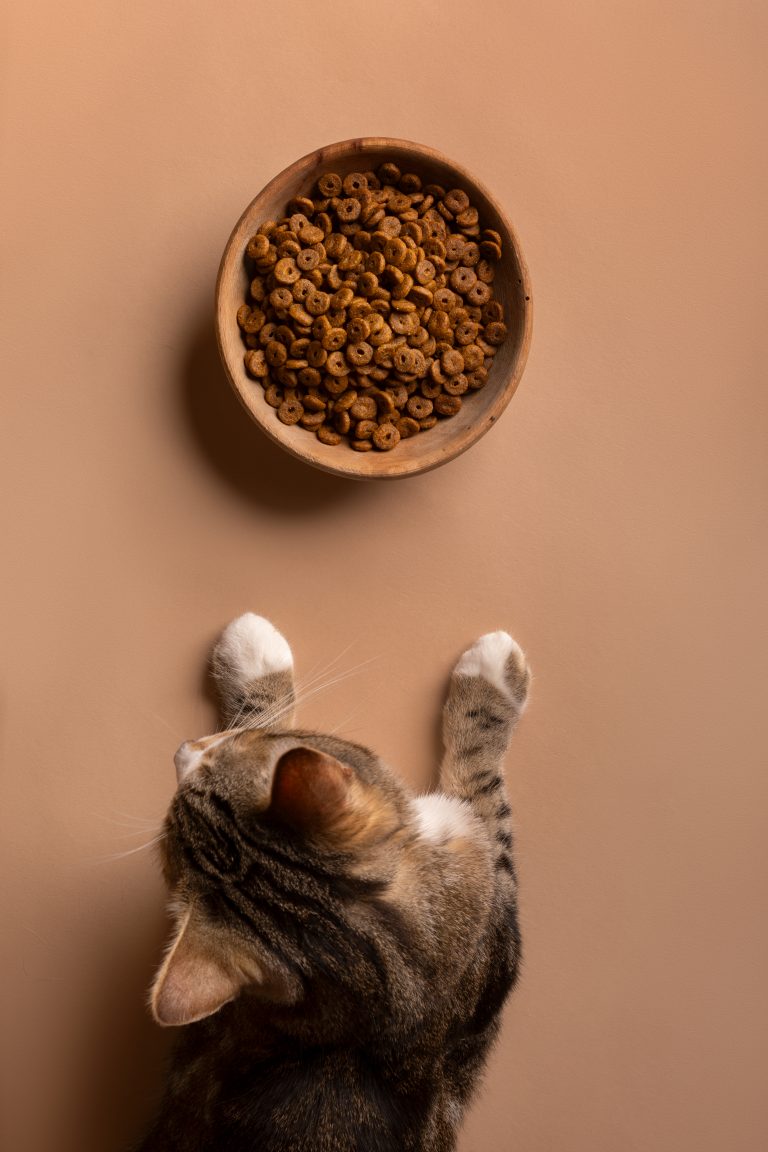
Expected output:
{"points": [[372, 310]]}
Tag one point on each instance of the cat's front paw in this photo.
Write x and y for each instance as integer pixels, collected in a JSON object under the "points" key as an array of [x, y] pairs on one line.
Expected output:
{"points": [[251, 647], [500, 660]]}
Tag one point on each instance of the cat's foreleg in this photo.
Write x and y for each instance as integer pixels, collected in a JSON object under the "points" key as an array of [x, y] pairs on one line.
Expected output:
{"points": [[252, 665], [486, 697]]}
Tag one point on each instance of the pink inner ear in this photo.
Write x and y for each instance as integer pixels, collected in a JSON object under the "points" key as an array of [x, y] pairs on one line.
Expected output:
{"points": [[310, 788]]}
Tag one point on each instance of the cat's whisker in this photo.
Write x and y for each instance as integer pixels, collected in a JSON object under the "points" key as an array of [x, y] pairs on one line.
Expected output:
{"points": [[132, 851]]}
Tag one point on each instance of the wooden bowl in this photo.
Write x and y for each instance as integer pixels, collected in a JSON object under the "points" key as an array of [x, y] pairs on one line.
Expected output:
{"points": [[511, 287]]}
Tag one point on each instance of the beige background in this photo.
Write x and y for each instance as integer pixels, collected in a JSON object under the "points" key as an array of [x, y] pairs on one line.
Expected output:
{"points": [[614, 520]]}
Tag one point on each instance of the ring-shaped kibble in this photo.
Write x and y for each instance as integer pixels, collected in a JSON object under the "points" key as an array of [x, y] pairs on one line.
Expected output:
{"points": [[430, 388], [329, 184], [427, 423], [258, 289], [296, 222], [253, 322], [336, 364], [300, 315], [447, 405], [473, 357], [492, 310], [443, 299], [375, 263], [394, 251], [307, 259], [316, 354], [361, 445], [317, 303], [496, 332], [466, 332], [353, 183], [345, 401], [468, 218], [342, 421], [425, 271], [419, 407], [490, 250], [334, 339], [409, 183], [273, 395], [477, 378], [335, 385], [386, 437], [364, 408], [456, 385], [471, 254], [368, 283], [388, 172], [485, 271], [276, 353], [398, 203], [281, 298], [358, 329], [312, 419], [302, 289], [462, 279], [454, 247], [364, 429], [419, 363], [403, 359], [390, 226], [407, 427], [479, 294], [342, 298], [358, 354], [287, 271], [310, 234], [348, 210], [290, 412], [256, 363], [258, 246], [456, 201], [335, 245], [326, 435]]}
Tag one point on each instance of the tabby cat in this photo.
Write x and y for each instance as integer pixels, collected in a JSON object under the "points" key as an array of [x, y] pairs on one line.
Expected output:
{"points": [[342, 948]]}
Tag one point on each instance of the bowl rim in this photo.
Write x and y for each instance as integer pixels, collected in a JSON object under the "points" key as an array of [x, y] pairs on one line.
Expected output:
{"points": [[348, 466]]}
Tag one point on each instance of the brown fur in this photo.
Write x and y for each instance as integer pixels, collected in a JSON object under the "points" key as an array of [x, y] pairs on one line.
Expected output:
{"points": [[339, 971]]}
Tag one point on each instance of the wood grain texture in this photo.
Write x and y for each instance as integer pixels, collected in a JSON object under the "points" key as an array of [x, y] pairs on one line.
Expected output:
{"points": [[512, 288]]}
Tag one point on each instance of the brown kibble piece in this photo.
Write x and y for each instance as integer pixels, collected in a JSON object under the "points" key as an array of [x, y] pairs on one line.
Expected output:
{"points": [[407, 427], [326, 435], [447, 405], [496, 332], [362, 445], [290, 412], [329, 184], [419, 407], [364, 408], [386, 437]]}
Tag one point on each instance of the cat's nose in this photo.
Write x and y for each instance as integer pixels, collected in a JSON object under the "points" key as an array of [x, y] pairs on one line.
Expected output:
{"points": [[185, 759]]}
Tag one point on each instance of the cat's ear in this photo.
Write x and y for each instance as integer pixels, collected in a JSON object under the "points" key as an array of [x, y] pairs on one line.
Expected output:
{"points": [[311, 791], [193, 981]]}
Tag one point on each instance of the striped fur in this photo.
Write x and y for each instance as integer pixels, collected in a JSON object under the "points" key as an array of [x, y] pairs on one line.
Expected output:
{"points": [[339, 965]]}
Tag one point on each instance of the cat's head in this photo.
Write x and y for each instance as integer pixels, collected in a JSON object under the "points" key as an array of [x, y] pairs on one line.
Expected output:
{"points": [[277, 846]]}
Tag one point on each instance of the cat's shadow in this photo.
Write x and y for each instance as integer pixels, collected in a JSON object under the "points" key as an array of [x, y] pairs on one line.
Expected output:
{"points": [[232, 446]]}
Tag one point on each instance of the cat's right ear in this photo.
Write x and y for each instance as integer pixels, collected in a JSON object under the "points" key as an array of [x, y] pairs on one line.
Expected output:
{"points": [[311, 791]]}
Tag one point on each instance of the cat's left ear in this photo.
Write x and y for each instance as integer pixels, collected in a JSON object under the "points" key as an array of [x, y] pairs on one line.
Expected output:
{"points": [[194, 981]]}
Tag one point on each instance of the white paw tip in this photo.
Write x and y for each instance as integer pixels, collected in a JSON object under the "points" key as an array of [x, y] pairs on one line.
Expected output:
{"points": [[488, 657], [254, 647]]}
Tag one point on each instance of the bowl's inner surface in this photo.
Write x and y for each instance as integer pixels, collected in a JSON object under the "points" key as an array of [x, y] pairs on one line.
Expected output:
{"points": [[510, 287]]}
